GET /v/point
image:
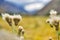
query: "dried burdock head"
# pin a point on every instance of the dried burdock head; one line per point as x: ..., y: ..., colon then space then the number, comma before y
x: 50, y: 38
x: 56, y: 24
x: 19, y: 32
x: 23, y: 32
x: 53, y: 12
x: 9, y: 20
x: 16, y: 21
x: 51, y: 25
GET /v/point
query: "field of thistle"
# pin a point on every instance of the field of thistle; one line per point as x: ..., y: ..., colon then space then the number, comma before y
x: 35, y: 27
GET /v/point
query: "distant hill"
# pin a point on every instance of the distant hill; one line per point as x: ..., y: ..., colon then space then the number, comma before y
x: 8, y: 7
x: 55, y: 4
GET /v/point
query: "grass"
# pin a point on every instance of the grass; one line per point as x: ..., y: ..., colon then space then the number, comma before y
x: 35, y: 28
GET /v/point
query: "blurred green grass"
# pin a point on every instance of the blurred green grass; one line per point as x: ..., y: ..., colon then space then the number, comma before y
x: 35, y: 28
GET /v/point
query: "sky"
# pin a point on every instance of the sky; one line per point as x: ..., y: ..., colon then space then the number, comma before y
x: 25, y: 1
x: 30, y: 5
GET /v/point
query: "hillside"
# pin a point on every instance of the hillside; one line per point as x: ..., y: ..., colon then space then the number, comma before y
x: 55, y: 4
x: 8, y: 7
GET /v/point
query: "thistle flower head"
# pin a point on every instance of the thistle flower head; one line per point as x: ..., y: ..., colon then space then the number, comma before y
x: 4, y: 15
x: 20, y: 27
x: 16, y: 18
x: 53, y: 12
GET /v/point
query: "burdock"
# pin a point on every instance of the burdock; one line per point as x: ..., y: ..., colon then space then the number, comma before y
x: 16, y: 21
x: 9, y: 21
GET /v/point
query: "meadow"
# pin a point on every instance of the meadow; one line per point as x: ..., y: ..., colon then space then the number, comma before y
x: 35, y: 27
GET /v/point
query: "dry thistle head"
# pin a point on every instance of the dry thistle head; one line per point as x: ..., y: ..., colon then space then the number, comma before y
x: 8, y: 18
x: 20, y: 31
x: 9, y: 21
x: 53, y: 12
x: 17, y: 19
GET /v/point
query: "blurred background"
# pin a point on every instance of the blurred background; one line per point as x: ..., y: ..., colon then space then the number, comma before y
x: 34, y: 14
x: 29, y: 7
